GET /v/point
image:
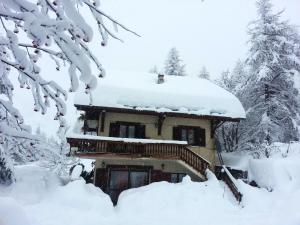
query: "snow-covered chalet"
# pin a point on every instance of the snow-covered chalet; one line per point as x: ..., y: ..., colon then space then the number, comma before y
x: 142, y: 128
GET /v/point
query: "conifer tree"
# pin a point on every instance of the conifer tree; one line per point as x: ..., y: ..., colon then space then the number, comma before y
x: 268, y: 91
x: 225, y: 80
x: 173, y: 64
x: 204, y: 73
x: 273, y: 99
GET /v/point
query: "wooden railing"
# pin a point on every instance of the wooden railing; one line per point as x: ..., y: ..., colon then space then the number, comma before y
x: 194, y: 160
x: 224, y: 173
x: 138, y: 149
x: 228, y: 179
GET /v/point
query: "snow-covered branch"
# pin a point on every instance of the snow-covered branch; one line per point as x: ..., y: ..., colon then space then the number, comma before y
x: 58, y: 30
x: 51, y: 25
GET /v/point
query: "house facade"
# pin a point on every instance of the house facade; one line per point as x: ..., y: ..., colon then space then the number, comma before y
x: 146, y: 129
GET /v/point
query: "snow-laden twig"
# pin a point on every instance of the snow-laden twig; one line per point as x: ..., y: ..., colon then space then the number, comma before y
x: 58, y: 30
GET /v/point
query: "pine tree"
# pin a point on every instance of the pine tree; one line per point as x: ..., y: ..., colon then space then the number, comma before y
x: 234, y: 80
x: 173, y: 64
x: 204, y: 73
x: 225, y: 80
x: 268, y: 92
x: 273, y: 63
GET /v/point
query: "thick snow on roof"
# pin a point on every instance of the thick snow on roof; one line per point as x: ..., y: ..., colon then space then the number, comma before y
x: 140, y: 91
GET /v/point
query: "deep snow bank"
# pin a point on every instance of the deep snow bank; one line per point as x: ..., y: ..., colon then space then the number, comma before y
x: 280, y: 171
x: 40, y: 198
x: 276, y: 173
x: 12, y: 212
x: 184, y: 203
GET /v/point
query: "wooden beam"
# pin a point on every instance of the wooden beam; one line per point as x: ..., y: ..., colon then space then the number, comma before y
x: 102, y: 126
x: 85, y: 126
x: 214, y: 125
x: 161, y: 118
x: 92, y: 115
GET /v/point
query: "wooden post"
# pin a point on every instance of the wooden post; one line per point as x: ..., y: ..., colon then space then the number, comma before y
x: 102, y: 121
x: 161, y: 118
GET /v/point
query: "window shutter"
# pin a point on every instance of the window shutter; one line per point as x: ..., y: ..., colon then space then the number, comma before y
x: 200, y: 137
x: 176, y: 133
x: 140, y: 131
x: 114, y: 130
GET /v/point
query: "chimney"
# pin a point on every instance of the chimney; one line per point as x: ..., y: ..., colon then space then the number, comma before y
x: 160, y: 78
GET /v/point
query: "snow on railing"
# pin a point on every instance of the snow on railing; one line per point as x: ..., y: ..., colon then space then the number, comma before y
x: 232, y: 184
x: 82, y: 145
x: 126, y: 140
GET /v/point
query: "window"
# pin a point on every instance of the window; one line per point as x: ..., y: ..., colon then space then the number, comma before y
x: 118, y: 180
x: 188, y: 134
x: 177, y: 177
x: 121, y: 179
x: 138, y: 178
x: 92, y: 124
x: 94, y: 133
x: 90, y: 127
x: 127, y: 130
x: 192, y: 135
x: 131, y: 131
x: 181, y: 176
x: 123, y: 131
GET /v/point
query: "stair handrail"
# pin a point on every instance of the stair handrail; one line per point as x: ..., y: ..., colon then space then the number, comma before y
x: 232, y: 185
x: 204, y: 163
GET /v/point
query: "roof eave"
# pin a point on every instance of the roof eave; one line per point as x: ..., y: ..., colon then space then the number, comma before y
x: 155, y: 113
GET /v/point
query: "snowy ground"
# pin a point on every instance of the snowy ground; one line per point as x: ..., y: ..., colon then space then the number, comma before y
x: 40, y: 198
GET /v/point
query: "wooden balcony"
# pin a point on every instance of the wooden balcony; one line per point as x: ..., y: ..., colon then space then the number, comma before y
x: 86, y: 145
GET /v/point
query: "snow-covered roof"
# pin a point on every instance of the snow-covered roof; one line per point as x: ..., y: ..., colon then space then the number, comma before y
x: 140, y: 91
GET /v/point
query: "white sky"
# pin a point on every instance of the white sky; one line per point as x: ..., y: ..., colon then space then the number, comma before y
x: 210, y: 32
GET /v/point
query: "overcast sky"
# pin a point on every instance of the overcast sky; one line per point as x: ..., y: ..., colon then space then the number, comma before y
x: 210, y: 32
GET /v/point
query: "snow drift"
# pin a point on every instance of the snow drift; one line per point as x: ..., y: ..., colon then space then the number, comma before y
x: 40, y: 198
